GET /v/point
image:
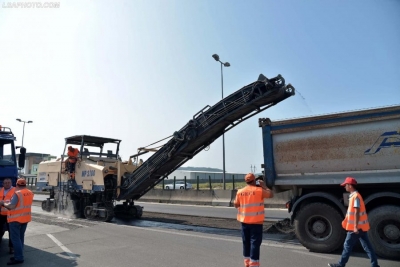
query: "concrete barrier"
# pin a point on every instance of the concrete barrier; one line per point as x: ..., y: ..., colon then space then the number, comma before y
x: 278, y: 201
x: 160, y: 196
x: 200, y: 197
x: 208, y: 197
x: 223, y: 197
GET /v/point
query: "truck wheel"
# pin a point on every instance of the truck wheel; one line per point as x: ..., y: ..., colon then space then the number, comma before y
x: 318, y: 227
x: 385, y: 231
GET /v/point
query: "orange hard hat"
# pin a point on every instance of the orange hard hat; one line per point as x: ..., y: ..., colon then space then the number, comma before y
x: 249, y: 177
x: 21, y: 181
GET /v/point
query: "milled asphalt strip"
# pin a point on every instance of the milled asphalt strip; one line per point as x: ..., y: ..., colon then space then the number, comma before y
x: 196, y: 206
x: 70, y: 254
x: 215, y: 238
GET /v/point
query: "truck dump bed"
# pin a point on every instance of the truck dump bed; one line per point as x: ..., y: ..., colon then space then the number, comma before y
x: 326, y: 149
x: 205, y: 127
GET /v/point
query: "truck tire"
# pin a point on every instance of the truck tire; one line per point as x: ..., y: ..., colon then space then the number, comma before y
x: 318, y: 227
x: 385, y: 231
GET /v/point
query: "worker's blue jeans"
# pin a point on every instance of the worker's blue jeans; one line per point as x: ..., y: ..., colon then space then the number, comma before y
x: 17, y: 234
x: 252, y: 235
x: 351, y: 240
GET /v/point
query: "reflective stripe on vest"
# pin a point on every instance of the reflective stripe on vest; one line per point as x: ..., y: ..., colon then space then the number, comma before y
x: 349, y: 222
x: 251, y: 209
x: 22, y: 211
x: 6, y: 197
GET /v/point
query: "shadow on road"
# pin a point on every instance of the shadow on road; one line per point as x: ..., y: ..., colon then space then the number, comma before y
x: 38, y: 258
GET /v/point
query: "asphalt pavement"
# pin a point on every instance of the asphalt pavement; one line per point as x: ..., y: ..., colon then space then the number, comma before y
x: 196, y: 210
x: 58, y: 241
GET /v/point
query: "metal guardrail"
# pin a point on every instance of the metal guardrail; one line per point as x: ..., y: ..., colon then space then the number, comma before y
x: 30, y: 181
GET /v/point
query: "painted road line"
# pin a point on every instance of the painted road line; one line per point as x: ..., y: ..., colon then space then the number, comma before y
x: 55, y: 240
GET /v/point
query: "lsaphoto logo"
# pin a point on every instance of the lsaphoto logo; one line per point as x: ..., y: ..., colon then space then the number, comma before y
x: 386, y: 140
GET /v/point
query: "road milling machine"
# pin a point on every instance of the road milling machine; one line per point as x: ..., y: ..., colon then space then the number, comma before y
x: 101, y: 178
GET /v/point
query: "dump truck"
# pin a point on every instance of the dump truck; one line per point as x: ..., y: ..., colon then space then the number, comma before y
x: 312, y: 156
x: 8, y: 160
x: 101, y: 179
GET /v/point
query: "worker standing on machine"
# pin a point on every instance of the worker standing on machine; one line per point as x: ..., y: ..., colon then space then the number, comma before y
x: 72, y: 159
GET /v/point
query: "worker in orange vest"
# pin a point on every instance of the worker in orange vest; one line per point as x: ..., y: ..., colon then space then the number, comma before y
x: 250, y: 204
x: 19, y: 216
x: 72, y: 159
x: 356, y: 224
x: 6, y: 192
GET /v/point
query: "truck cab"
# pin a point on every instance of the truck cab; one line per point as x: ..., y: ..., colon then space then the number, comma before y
x: 8, y: 160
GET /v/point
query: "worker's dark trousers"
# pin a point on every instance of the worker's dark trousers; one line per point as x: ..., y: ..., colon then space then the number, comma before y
x: 72, y: 167
x: 3, y: 228
x: 351, y: 240
x: 17, y: 231
x: 252, y: 235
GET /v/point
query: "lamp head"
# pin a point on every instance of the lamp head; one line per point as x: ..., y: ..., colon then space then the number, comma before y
x: 30, y: 121
x: 216, y: 57
x: 226, y: 64
x: 19, y: 120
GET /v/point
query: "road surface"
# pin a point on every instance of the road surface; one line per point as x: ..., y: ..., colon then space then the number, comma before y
x: 60, y: 242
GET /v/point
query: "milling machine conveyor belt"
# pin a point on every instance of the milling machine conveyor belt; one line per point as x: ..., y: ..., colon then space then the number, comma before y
x: 205, y: 127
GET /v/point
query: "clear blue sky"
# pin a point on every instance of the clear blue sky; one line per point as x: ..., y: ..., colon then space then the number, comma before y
x: 139, y: 70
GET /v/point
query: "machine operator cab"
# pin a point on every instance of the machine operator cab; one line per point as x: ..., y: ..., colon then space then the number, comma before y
x: 97, y: 167
x: 95, y: 163
x: 91, y: 149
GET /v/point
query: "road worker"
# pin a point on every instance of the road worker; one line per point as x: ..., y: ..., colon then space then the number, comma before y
x: 72, y: 159
x: 250, y: 204
x: 19, y: 215
x: 356, y: 224
x: 6, y: 192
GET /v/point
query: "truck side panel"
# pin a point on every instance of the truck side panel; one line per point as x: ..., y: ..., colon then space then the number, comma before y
x: 351, y: 147
x: 365, y: 141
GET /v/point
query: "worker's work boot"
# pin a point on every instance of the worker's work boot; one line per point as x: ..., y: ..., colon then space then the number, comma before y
x: 254, y: 263
x: 334, y: 265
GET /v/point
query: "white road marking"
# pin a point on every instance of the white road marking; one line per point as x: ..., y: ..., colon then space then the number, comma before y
x: 58, y: 243
x: 313, y: 254
x: 215, y: 238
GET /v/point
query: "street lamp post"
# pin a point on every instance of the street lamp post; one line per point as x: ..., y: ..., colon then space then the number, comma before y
x: 226, y: 64
x: 23, y: 129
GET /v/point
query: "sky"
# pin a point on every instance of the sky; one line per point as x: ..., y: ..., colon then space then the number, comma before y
x: 139, y: 70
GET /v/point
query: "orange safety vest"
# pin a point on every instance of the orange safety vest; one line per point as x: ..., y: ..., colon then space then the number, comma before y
x: 22, y: 211
x: 349, y: 220
x: 6, y: 198
x: 73, y: 155
x: 251, y: 209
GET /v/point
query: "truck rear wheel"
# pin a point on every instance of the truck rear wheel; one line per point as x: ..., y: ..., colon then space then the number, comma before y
x: 385, y: 231
x: 318, y: 227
